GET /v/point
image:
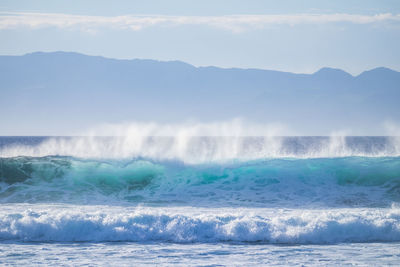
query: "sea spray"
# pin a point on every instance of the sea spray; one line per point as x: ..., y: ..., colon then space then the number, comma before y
x: 197, y: 149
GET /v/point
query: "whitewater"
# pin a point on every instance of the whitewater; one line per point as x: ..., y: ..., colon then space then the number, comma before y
x: 198, y: 196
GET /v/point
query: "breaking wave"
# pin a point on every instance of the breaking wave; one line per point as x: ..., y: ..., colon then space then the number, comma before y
x: 102, y: 223
x: 183, y: 188
x: 347, y: 181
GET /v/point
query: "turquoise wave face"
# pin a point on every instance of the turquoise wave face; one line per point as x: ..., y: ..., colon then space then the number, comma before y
x: 349, y: 181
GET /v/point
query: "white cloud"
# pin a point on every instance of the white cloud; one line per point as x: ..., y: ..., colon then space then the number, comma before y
x: 235, y: 23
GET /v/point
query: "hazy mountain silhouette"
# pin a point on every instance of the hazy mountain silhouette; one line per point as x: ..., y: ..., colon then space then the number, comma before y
x: 70, y: 90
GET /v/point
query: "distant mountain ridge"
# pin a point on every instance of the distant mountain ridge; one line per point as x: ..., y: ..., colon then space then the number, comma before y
x: 182, y: 63
x: 71, y: 90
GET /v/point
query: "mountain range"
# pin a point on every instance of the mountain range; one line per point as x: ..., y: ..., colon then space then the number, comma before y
x: 54, y: 93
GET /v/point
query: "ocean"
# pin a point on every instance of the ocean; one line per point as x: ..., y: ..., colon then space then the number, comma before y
x: 200, y: 201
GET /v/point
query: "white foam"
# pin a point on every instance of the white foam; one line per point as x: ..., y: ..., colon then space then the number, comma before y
x: 183, y: 225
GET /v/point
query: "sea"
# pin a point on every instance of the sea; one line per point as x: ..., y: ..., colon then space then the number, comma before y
x: 200, y: 201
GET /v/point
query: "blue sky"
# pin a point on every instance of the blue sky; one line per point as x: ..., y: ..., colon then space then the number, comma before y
x: 295, y: 36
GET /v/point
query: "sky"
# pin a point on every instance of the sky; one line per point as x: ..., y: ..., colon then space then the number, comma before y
x: 288, y: 35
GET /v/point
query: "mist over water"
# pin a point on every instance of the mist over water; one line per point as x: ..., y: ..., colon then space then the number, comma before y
x: 203, y: 149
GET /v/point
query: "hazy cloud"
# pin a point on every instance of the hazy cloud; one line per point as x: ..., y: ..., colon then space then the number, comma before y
x: 235, y: 23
